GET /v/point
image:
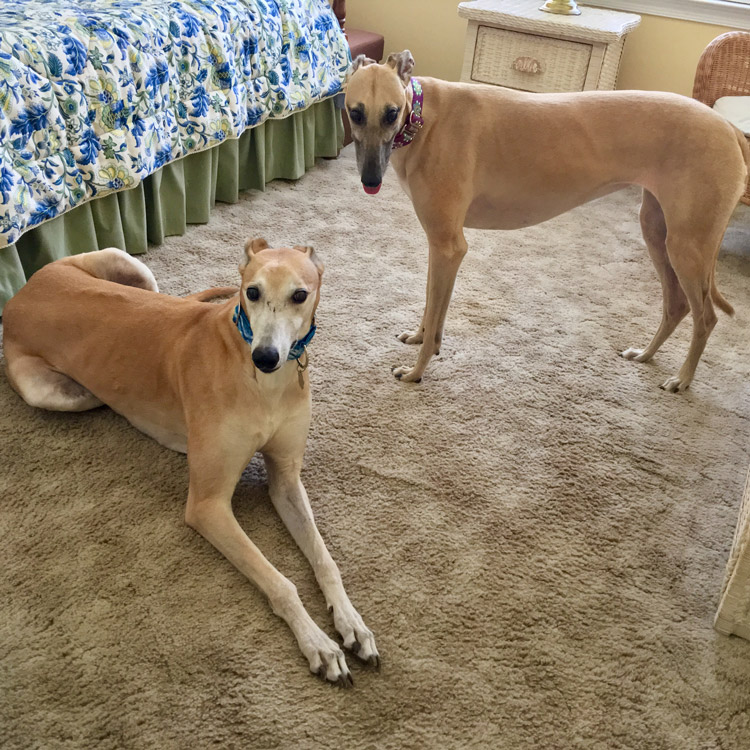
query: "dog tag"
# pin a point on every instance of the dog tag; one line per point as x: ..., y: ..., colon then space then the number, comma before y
x: 301, y: 368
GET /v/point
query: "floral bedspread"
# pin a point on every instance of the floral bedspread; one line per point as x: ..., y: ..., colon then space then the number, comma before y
x: 97, y: 94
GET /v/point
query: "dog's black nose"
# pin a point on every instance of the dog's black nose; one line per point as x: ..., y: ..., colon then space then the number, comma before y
x: 266, y: 358
x: 372, y: 176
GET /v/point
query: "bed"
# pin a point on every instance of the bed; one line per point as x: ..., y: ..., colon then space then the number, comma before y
x: 121, y: 121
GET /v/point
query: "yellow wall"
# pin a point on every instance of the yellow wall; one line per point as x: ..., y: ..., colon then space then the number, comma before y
x: 660, y: 54
x: 431, y: 29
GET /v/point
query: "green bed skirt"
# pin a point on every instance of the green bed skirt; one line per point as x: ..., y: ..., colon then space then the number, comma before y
x: 180, y: 193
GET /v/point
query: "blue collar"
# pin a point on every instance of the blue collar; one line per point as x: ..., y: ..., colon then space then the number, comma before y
x: 243, y: 326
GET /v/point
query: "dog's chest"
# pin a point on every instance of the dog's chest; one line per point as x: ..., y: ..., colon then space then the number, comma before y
x: 163, y: 428
x: 175, y: 440
x: 404, y: 185
x: 398, y: 168
x: 272, y: 409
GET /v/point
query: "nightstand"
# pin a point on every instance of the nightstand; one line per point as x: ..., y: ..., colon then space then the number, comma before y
x: 512, y: 43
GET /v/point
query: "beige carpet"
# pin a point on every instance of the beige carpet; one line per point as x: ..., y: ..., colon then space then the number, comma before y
x: 536, y: 533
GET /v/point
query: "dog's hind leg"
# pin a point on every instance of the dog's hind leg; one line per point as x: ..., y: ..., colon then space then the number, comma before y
x: 41, y: 386
x: 690, y: 260
x: 447, y: 250
x: 674, y: 304
x: 693, y: 240
x: 291, y: 502
x: 417, y: 337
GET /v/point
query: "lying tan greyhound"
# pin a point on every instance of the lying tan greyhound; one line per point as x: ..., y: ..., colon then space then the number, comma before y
x: 180, y: 371
x: 492, y: 158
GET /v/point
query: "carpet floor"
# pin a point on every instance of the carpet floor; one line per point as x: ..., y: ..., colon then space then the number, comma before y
x: 536, y: 533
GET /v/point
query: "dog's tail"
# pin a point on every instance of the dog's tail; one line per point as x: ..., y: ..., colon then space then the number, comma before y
x: 742, y: 140
x: 113, y: 264
x: 215, y: 291
x: 717, y: 299
x: 716, y: 295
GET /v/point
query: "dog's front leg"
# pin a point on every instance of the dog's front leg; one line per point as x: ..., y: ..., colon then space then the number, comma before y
x: 446, y: 254
x: 214, y: 474
x: 290, y: 500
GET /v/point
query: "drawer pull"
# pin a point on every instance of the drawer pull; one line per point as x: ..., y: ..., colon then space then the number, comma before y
x: 527, y: 65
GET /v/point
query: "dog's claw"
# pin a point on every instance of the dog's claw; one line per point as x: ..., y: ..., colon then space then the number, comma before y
x: 345, y: 681
x: 408, y: 337
x: 636, y: 355
x: 404, y: 374
x: 674, y: 385
x: 357, y: 637
x: 342, y: 679
x: 365, y: 650
x: 326, y: 659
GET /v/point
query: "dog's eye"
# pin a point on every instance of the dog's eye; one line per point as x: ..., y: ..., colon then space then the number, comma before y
x: 356, y: 116
x: 299, y: 296
x: 390, y: 116
x: 253, y: 293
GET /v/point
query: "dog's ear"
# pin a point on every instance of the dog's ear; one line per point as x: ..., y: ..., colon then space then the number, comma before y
x: 252, y: 246
x: 312, y: 255
x: 255, y: 246
x: 403, y: 64
x: 360, y: 61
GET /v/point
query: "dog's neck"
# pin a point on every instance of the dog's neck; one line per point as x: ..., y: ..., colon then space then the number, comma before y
x: 414, y: 121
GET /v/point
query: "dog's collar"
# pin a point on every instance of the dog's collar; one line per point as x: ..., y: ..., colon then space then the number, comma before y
x: 240, y: 319
x: 414, y: 121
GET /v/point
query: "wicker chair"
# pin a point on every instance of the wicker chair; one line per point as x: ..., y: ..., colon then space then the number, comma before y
x: 724, y: 70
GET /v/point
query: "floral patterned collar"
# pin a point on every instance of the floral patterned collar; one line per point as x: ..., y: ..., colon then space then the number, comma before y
x: 414, y: 121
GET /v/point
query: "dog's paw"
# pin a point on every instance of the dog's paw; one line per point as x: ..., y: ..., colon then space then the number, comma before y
x: 358, y: 638
x: 406, y: 374
x: 675, y: 384
x: 637, y: 355
x: 411, y: 337
x: 327, y: 660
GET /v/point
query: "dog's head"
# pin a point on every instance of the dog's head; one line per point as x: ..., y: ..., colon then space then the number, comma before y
x: 377, y: 103
x: 279, y: 294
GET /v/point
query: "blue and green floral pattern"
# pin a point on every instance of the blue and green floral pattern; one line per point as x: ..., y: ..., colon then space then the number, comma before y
x: 95, y: 95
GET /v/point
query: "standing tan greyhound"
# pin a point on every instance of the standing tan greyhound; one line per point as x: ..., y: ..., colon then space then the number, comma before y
x: 486, y: 157
x: 218, y: 382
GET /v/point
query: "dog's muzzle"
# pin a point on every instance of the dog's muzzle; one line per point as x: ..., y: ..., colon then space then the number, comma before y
x: 372, y: 162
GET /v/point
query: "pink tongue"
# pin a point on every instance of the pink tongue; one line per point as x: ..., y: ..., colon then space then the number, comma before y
x: 372, y: 190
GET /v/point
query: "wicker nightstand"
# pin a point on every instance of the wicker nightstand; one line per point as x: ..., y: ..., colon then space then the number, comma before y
x: 512, y: 43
